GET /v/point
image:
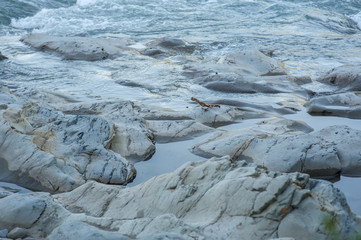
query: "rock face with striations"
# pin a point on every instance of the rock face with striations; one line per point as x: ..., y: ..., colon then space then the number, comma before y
x: 212, y: 199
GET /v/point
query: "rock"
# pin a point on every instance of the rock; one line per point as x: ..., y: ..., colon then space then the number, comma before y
x: 244, y: 72
x: 132, y: 139
x: 2, y: 57
x: 232, y: 142
x: 325, y: 153
x: 167, y: 46
x: 173, y: 130
x: 80, y: 230
x: 20, y: 210
x: 78, y: 48
x: 3, y: 233
x: 213, y: 116
x: 43, y: 149
x: 254, y: 62
x: 212, y: 199
x: 339, y: 104
x: 18, y: 233
x: 344, y: 78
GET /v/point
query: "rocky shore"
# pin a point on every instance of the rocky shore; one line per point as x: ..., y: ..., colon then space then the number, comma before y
x: 256, y: 182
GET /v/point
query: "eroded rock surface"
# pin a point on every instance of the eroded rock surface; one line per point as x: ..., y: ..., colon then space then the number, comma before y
x: 43, y: 149
x: 212, y: 199
x: 288, y: 146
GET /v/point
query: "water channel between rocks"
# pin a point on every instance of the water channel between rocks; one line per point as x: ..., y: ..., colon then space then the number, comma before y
x: 170, y: 156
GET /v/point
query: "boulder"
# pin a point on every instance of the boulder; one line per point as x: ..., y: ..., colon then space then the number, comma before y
x: 344, y: 78
x: 249, y: 71
x: 78, y: 48
x: 167, y: 47
x: 43, y: 149
x: 211, y: 199
x: 326, y: 153
x: 340, y: 104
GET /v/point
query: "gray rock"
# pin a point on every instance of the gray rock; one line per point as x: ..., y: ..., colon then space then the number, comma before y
x: 132, y: 139
x: 212, y: 199
x: 20, y: 210
x: 3, y: 233
x: 345, y: 78
x: 2, y: 57
x: 18, y: 233
x: 82, y: 231
x: 43, y: 149
x: 340, y: 104
x: 173, y: 130
x: 244, y: 72
x: 325, y: 153
x: 167, y: 46
x: 78, y: 48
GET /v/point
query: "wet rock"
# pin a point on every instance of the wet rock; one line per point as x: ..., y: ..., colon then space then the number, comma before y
x: 212, y: 199
x: 2, y: 57
x: 132, y: 139
x: 340, y: 104
x: 325, y: 153
x: 344, y: 78
x: 166, y: 47
x: 244, y: 72
x: 78, y: 48
x: 43, y: 149
x: 173, y: 130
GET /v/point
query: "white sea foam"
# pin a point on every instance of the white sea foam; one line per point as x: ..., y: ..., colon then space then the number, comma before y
x: 86, y: 3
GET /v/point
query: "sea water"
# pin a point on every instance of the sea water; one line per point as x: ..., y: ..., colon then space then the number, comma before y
x: 310, y: 37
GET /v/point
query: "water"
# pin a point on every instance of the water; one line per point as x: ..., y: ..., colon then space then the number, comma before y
x: 310, y: 37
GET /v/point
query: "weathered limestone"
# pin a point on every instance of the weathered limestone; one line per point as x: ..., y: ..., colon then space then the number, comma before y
x: 212, y: 199
x: 325, y: 153
x: 339, y: 104
x: 78, y: 48
x: 43, y: 149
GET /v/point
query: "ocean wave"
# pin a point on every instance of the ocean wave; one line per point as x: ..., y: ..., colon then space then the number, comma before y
x: 17, y: 9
